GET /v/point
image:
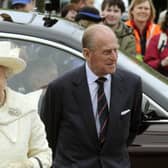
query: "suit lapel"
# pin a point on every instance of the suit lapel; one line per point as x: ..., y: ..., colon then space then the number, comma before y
x: 117, y: 92
x: 82, y: 96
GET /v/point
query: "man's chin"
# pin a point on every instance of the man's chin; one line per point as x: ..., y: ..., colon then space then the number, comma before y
x: 110, y: 24
x: 112, y: 71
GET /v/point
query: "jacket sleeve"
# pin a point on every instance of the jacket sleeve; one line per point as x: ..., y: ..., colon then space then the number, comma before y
x: 50, y: 114
x: 130, y: 47
x: 127, y: 45
x: 39, y: 152
x: 152, y: 57
x: 136, y: 113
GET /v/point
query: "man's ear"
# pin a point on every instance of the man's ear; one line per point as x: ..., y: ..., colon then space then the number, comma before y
x: 86, y: 53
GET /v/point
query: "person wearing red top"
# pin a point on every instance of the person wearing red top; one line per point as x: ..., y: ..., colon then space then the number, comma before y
x: 141, y: 16
x: 155, y: 56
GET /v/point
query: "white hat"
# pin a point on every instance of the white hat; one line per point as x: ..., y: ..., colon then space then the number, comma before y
x: 9, y: 57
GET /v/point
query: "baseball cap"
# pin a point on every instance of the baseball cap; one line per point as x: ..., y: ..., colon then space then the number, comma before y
x: 88, y: 13
x: 24, y: 2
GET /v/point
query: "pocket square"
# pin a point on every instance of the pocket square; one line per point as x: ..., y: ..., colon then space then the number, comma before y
x: 125, y: 112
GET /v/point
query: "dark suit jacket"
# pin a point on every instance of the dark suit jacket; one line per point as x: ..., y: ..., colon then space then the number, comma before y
x: 71, y: 131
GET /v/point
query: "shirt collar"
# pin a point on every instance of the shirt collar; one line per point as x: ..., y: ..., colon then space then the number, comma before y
x: 91, y: 77
x: 148, y: 24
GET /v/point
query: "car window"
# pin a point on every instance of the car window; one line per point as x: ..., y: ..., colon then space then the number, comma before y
x: 44, y: 64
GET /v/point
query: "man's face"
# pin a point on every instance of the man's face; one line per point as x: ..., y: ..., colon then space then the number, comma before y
x: 103, y: 58
x: 112, y: 15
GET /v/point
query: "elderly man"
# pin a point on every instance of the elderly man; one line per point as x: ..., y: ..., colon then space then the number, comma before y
x: 92, y: 113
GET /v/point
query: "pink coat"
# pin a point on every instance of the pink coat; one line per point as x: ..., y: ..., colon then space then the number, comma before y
x: 153, y: 57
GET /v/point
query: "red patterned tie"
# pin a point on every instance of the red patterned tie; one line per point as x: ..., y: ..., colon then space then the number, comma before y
x: 103, y: 112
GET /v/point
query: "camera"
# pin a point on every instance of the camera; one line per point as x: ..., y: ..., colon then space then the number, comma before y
x: 52, y: 7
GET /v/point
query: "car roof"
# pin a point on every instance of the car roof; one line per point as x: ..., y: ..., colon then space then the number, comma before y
x: 20, y: 16
x: 58, y: 33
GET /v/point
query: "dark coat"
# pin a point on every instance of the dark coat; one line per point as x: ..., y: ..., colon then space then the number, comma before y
x: 70, y: 124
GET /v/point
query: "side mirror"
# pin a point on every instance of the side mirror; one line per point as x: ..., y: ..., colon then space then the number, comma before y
x: 152, y: 113
x: 152, y: 110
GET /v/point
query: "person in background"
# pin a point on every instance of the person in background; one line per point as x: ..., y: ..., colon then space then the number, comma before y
x: 82, y: 3
x: 88, y: 16
x: 79, y: 3
x: 112, y: 11
x: 93, y: 112
x: 69, y: 12
x: 23, y: 5
x: 141, y: 16
x: 23, y: 138
x: 3, y: 3
x: 157, y: 52
x: 89, y: 2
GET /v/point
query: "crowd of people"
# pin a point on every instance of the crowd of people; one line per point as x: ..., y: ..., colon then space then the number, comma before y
x: 135, y: 34
x: 90, y: 115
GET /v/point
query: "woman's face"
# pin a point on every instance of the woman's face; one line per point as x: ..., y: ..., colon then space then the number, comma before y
x: 2, y: 78
x: 71, y: 15
x: 141, y: 12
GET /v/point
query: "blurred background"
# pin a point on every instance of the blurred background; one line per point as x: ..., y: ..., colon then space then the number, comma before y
x: 58, y: 5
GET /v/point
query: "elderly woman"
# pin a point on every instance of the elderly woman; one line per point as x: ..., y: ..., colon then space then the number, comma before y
x: 157, y: 52
x: 141, y: 15
x: 22, y: 134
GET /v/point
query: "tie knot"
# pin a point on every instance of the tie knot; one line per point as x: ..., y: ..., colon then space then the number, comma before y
x: 100, y: 80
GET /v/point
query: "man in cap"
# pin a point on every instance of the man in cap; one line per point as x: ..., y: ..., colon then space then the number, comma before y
x: 88, y: 16
x: 23, y: 5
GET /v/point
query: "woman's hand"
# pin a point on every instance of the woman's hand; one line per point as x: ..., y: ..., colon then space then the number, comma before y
x: 164, y: 62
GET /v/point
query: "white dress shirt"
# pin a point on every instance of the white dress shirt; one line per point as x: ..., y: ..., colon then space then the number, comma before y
x: 93, y: 89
